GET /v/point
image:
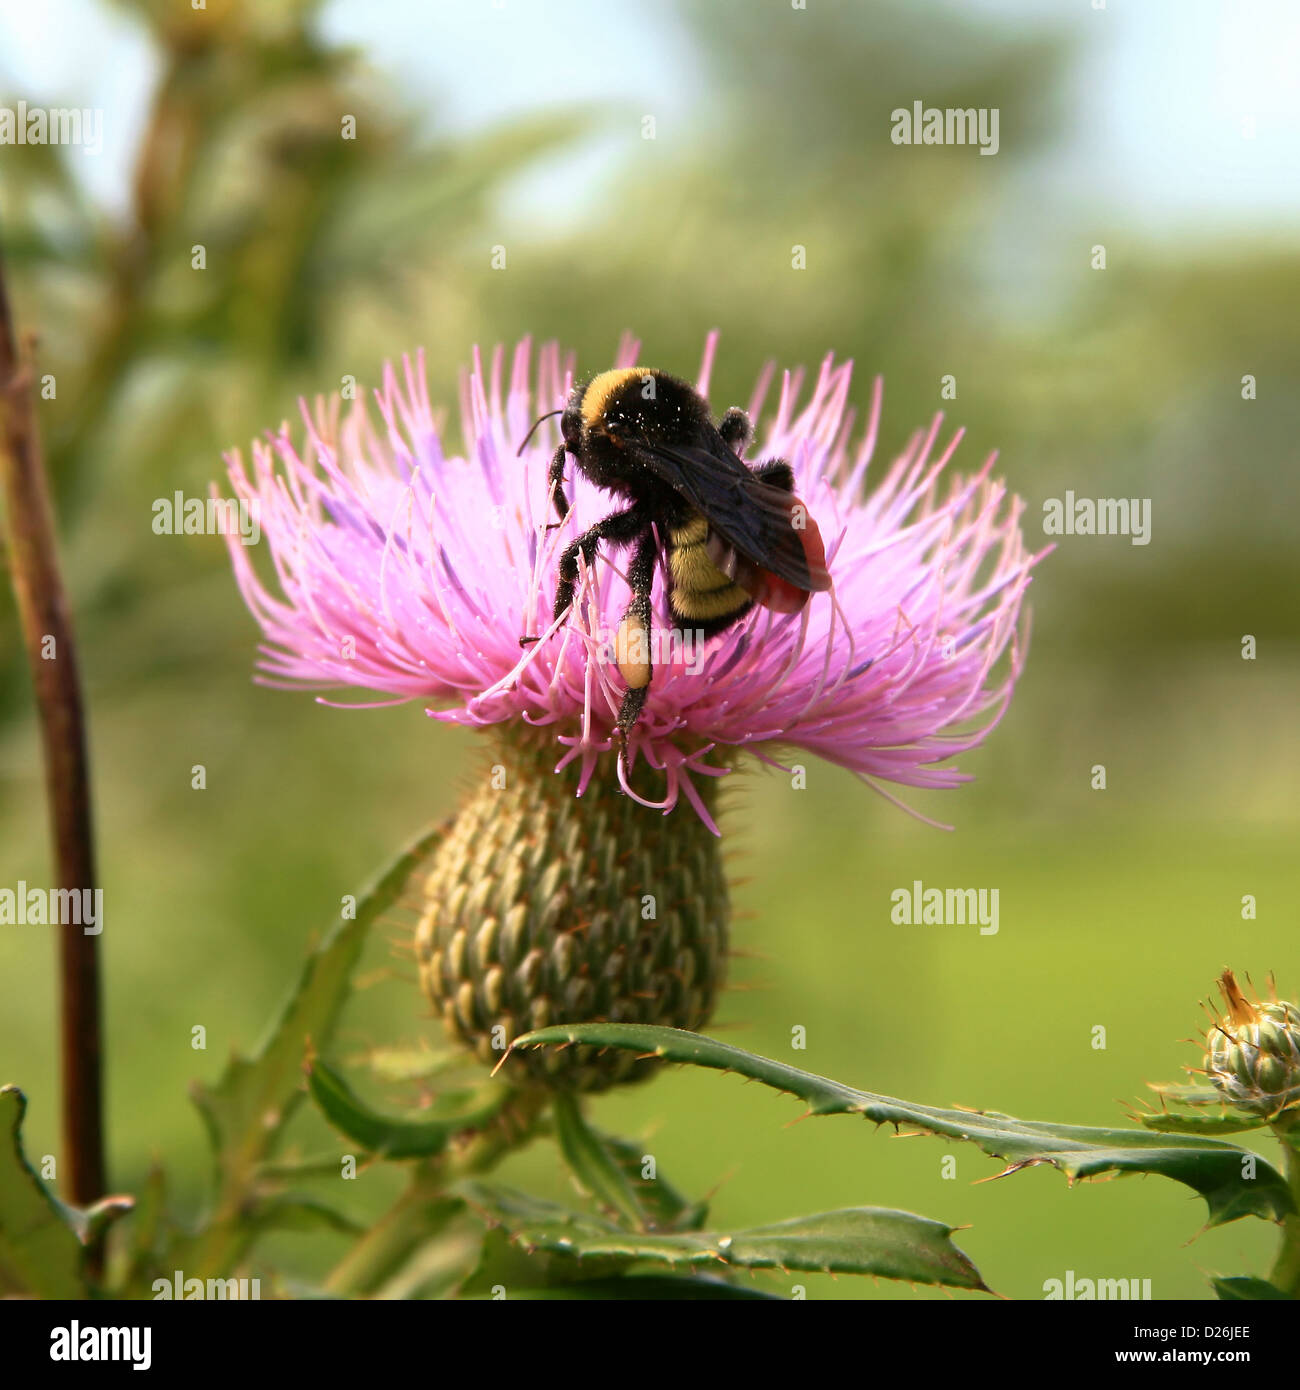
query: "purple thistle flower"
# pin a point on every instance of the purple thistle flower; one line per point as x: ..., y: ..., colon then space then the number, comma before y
x: 411, y: 572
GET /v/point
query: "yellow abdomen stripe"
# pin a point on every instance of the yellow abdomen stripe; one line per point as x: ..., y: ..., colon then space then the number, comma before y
x: 700, y: 589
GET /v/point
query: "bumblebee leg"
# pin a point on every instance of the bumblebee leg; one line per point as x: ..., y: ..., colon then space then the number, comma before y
x: 555, y: 477
x: 635, y: 627
x: 776, y: 473
x: 628, y: 713
x: 735, y: 429
x: 619, y: 528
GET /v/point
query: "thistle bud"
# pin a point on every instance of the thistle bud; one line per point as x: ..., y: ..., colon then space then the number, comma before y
x: 1253, y: 1057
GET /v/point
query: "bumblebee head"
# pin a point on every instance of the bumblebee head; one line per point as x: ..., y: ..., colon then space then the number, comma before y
x: 610, y: 392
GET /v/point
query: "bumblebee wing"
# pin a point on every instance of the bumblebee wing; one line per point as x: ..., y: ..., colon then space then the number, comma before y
x: 765, y: 525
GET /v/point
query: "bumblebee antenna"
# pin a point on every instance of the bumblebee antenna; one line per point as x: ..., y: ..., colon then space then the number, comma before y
x: 533, y: 430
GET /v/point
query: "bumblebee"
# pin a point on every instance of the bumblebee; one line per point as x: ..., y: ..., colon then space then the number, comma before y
x: 731, y: 536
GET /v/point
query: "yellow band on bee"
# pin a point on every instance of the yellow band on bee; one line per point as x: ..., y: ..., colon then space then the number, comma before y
x: 602, y: 387
x: 695, y: 532
x: 715, y: 603
x: 700, y: 589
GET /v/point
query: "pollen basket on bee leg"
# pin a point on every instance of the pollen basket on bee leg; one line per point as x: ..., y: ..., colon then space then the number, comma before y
x: 632, y: 652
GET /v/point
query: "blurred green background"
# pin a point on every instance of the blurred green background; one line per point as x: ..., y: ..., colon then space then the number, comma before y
x: 482, y: 125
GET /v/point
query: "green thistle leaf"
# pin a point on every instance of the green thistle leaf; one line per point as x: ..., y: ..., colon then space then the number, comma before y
x: 1229, y: 1122
x: 857, y: 1240
x: 599, y: 1173
x: 247, y: 1109
x: 1216, y: 1171
x: 390, y: 1137
x: 1244, y: 1288
x: 611, y: 1171
x: 666, y: 1208
x: 40, y: 1253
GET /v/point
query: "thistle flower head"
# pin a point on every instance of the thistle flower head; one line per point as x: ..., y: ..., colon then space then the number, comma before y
x: 411, y: 571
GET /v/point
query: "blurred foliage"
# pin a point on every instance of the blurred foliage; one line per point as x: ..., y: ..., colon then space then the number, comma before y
x: 159, y: 364
x: 324, y: 256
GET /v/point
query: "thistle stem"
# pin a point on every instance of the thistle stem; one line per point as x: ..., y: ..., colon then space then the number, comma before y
x: 45, y: 620
x: 416, y: 1215
x: 423, y: 1210
x: 1285, y: 1274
